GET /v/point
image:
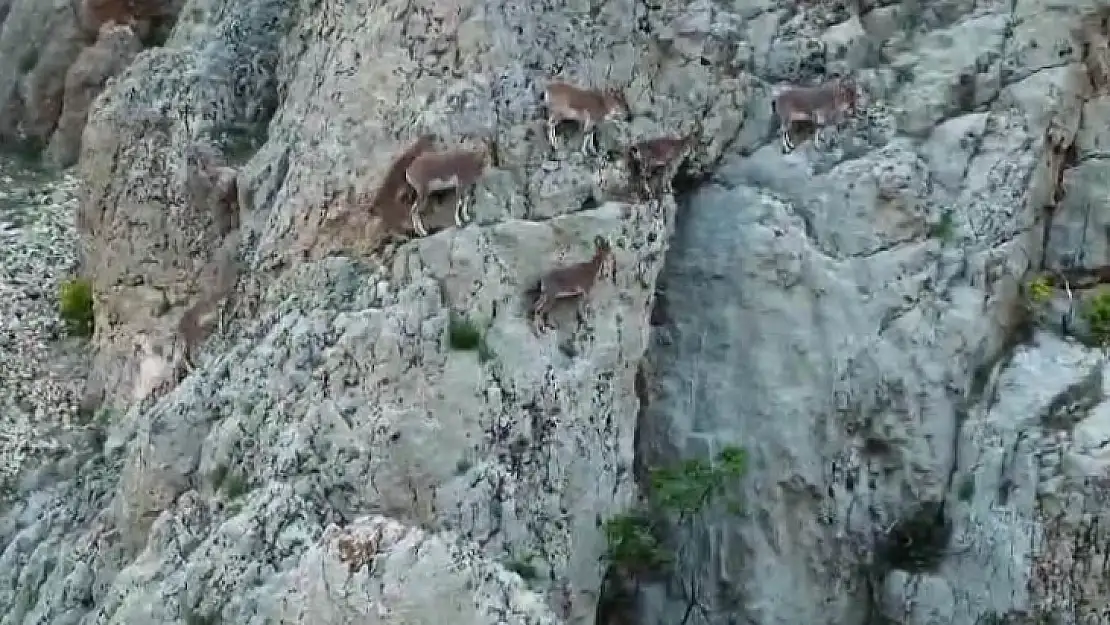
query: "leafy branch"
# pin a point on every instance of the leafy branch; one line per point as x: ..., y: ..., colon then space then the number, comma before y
x: 637, y: 540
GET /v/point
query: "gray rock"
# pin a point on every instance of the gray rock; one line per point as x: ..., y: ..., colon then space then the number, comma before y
x: 856, y: 316
x: 114, y: 50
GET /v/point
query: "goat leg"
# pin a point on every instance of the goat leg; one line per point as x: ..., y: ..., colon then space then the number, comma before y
x: 787, y: 143
x: 468, y: 206
x: 552, y: 128
x: 414, y: 215
x: 538, y: 323
x: 589, y: 130
x: 460, y: 209
x: 539, y: 311
x: 645, y: 179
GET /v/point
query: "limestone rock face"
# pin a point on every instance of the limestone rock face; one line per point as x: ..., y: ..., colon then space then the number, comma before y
x: 115, y: 48
x: 369, y: 430
x: 54, y: 59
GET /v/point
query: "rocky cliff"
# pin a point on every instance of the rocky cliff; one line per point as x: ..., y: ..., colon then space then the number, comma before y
x: 294, y: 417
x: 56, y: 57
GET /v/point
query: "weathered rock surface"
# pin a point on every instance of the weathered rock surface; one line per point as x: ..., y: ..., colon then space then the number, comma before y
x: 115, y: 48
x: 39, y: 384
x: 861, y: 302
x: 854, y: 317
x: 54, y: 60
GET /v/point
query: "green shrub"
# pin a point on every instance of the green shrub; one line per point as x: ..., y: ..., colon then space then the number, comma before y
x: 29, y: 61
x: 27, y: 152
x: 235, y: 485
x: 685, y: 489
x: 917, y: 542
x: 1039, y: 289
x: 634, y: 544
x: 75, y: 306
x: 240, y: 142
x: 1096, y: 312
x: 636, y: 540
x: 465, y: 335
x: 945, y: 227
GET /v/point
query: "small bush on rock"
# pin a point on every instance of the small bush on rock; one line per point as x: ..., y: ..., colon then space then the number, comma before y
x: 637, y: 540
x: 464, y: 334
x: 75, y: 306
x: 27, y: 152
x: 1096, y: 312
x: 686, y: 489
x: 945, y: 227
x: 1039, y: 290
x: 634, y: 544
x: 239, y: 143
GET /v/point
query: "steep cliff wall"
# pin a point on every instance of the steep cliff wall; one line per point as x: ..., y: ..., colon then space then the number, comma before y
x: 373, y: 432
x: 923, y: 446
x: 56, y: 57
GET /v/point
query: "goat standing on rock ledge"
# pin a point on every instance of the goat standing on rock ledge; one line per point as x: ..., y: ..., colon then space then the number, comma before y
x: 820, y: 105
x: 431, y: 172
x: 574, y: 281
x: 390, y: 201
x: 652, y: 157
x: 565, y: 102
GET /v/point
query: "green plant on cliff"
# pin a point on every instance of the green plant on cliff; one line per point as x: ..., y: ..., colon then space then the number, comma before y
x: 945, y: 227
x: 635, y: 543
x: 687, y: 488
x: 27, y: 152
x: 464, y: 334
x: 75, y: 306
x: 636, y: 540
x: 1039, y: 289
x: 1096, y: 312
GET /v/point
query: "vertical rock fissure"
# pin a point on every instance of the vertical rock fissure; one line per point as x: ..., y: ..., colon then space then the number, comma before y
x: 623, y: 600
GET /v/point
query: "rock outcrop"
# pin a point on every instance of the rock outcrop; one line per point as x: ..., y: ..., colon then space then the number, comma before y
x: 55, y: 57
x: 40, y: 374
x: 373, y: 431
x: 115, y: 48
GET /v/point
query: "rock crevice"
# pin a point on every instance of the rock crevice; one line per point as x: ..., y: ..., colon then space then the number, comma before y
x: 304, y: 422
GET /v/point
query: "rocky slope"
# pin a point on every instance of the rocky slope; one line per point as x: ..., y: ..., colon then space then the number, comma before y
x: 40, y: 372
x: 925, y: 432
x: 56, y: 57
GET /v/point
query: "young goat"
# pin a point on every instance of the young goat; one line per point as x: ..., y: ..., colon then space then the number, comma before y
x: 389, y: 200
x: 431, y: 172
x: 653, y: 156
x: 574, y: 281
x: 820, y: 105
x: 565, y: 102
